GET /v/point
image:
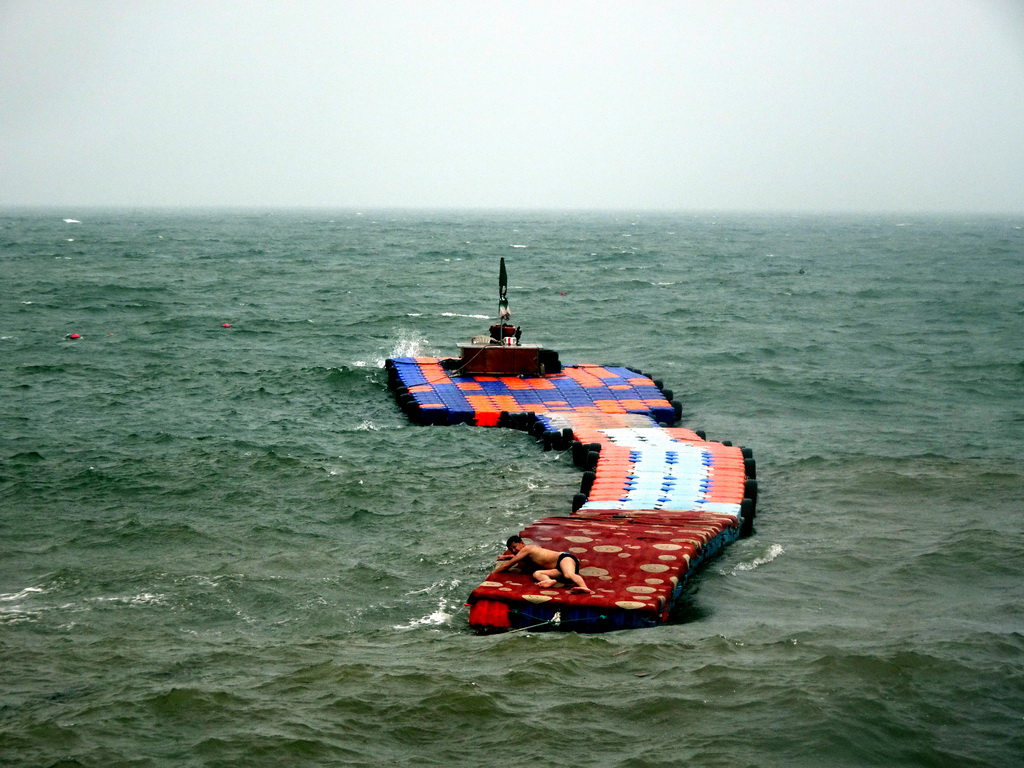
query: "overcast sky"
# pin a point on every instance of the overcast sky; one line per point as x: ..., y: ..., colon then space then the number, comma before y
x: 780, y: 105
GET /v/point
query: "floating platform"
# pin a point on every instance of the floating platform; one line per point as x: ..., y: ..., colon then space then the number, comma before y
x: 436, y: 391
x: 637, y: 568
x: 655, y: 503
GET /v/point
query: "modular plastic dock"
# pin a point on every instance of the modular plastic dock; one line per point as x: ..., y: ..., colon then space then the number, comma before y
x: 655, y: 502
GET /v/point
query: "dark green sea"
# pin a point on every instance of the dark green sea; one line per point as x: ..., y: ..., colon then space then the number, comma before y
x: 222, y: 544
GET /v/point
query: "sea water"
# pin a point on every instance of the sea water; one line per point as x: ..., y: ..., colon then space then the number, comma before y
x: 222, y: 543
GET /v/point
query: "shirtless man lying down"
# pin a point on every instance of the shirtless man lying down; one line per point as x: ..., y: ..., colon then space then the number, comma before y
x: 550, y: 566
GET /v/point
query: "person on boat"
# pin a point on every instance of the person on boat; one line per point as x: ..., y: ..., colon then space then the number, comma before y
x: 549, y: 566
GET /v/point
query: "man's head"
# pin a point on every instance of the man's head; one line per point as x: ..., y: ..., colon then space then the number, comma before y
x: 514, y: 544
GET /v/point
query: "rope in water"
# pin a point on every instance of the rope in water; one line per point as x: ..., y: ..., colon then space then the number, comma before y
x: 556, y: 620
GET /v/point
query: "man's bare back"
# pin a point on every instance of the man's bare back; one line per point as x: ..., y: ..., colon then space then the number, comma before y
x: 550, y: 566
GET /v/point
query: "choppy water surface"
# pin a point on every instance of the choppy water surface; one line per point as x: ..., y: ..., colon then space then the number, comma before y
x: 222, y: 544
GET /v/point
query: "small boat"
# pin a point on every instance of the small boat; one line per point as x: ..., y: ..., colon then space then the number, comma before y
x: 656, y: 500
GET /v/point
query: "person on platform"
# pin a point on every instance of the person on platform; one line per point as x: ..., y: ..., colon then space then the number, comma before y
x: 549, y: 567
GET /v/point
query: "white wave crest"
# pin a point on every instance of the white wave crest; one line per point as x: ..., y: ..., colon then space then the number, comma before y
x: 437, y: 617
x: 773, y: 552
x: 21, y: 595
x: 408, y: 346
x: 143, y: 598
